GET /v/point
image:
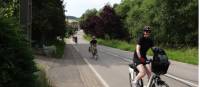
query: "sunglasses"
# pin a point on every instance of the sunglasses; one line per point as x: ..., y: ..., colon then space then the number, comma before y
x: 148, y: 31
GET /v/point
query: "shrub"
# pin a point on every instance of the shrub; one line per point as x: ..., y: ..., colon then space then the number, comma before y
x: 16, y: 60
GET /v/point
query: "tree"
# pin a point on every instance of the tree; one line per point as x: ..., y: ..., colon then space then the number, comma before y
x: 48, y: 21
x: 112, y: 23
x: 174, y: 23
x: 103, y: 24
x: 16, y: 60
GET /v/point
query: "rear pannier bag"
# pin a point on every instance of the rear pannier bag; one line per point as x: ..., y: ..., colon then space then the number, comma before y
x: 160, y: 63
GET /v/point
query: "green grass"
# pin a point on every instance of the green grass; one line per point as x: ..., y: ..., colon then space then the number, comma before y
x: 114, y: 43
x: 186, y: 55
x: 60, y: 46
x: 42, y: 80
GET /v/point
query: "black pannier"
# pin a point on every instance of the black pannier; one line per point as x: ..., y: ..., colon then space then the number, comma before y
x: 160, y: 63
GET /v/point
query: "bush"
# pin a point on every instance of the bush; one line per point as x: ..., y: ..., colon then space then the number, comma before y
x: 16, y: 59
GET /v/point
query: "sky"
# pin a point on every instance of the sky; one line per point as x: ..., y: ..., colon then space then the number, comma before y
x: 78, y: 7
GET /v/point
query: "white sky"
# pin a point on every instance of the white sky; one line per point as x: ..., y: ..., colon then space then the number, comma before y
x: 78, y: 7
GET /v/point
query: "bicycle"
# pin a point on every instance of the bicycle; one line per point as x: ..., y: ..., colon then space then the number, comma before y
x: 93, y: 50
x: 132, y: 69
x: 160, y: 65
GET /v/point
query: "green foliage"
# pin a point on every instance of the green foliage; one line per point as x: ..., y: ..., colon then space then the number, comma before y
x: 123, y: 45
x: 174, y: 22
x: 48, y: 21
x: 88, y: 13
x: 105, y: 24
x: 60, y: 46
x: 9, y: 8
x: 42, y: 80
x: 70, y: 31
x: 16, y: 59
x: 187, y: 55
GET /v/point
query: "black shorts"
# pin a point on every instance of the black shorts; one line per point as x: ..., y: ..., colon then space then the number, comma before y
x: 136, y: 61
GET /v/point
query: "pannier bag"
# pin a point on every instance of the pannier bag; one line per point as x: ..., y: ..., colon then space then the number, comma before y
x: 160, y: 63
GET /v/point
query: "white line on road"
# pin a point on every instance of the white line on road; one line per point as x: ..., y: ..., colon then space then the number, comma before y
x: 182, y: 80
x: 96, y: 73
x: 168, y: 75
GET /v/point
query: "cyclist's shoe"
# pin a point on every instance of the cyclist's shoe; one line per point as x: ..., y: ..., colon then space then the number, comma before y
x: 134, y: 84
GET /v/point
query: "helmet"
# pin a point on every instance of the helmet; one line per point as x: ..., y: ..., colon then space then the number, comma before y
x: 147, y: 29
x: 93, y: 37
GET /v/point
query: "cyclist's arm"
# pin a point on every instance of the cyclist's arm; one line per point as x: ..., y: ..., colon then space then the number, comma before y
x: 138, y: 50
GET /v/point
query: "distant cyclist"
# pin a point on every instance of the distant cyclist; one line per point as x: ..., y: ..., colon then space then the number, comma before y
x: 93, y: 42
x: 144, y: 42
x: 93, y: 47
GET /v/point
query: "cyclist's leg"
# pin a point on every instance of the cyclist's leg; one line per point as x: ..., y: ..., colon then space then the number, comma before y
x: 141, y: 73
x: 148, y: 70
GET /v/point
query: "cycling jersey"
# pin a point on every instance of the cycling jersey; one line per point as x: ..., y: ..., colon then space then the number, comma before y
x: 93, y: 42
x: 145, y: 43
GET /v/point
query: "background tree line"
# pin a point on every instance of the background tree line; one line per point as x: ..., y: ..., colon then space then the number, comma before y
x: 103, y: 24
x: 174, y: 23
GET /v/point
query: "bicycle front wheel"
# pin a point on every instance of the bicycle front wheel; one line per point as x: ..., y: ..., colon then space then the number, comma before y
x: 159, y: 85
x: 130, y: 80
x: 140, y: 83
x: 165, y: 85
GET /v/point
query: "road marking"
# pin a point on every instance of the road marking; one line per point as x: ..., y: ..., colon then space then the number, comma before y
x: 95, y: 72
x: 182, y: 80
x: 168, y: 75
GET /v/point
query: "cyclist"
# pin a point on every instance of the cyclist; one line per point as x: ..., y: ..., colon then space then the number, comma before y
x: 93, y: 43
x: 144, y: 42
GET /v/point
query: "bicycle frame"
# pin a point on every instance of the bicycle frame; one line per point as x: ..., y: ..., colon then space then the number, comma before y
x: 154, y: 80
x: 94, y: 51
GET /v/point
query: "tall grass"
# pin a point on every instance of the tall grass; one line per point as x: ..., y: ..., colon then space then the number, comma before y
x: 186, y: 55
x: 60, y: 46
x: 42, y: 80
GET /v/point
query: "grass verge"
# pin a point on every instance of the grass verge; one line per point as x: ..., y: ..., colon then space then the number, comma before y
x: 186, y: 55
x: 60, y: 46
x: 42, y: 80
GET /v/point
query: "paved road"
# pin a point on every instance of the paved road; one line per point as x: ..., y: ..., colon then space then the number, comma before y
x: 112, y: 67
x: 69, y: 71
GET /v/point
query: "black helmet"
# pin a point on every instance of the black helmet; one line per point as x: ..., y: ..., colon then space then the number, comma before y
x: 147, y: 29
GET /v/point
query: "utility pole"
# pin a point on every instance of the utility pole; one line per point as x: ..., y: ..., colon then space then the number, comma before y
x: 26, y: 18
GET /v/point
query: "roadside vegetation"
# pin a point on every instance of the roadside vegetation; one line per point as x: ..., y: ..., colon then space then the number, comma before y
x: 49, y: 26
x: 17, y: 68
x: 16, y: 58
x: 60, y: 46
x: 42, y: 79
